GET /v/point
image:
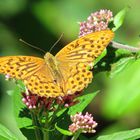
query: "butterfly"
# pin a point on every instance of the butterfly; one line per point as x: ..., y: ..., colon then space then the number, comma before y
x: 62, y: 74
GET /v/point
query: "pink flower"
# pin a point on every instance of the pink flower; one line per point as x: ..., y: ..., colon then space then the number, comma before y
x: 33, y: 101
x: 96, y: 22
x: 83, y: 122
x: 7, y: 77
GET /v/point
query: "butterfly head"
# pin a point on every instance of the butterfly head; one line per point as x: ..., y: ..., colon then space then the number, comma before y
x: 48, y: 56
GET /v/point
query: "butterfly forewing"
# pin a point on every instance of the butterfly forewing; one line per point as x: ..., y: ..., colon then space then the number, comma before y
x: 87, y: 48
x: 76, y: 56
x: 20, y: 67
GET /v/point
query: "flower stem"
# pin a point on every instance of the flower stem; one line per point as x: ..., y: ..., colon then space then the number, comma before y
x: 36, y: 124
x: 48, y: 123
x: 46, y: 132
x: 126, y: 47
x: 53, y: 117
x: 76, y: 135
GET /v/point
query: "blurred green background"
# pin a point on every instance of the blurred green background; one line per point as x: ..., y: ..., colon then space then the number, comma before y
x: 41, y: 22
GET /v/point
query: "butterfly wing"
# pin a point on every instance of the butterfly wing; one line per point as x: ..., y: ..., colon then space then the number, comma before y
x: 20, y: 67
x: 73, y: 61
x: 33, y: 72
x: 43, y: 83
x: 76, y: 56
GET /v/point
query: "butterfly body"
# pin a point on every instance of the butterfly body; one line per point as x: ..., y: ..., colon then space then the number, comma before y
x: 62, y: 74
x: 53, y: 66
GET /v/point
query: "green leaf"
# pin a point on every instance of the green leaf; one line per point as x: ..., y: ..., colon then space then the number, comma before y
x: 119, y: 53
x: 5, y: 134
x: 22, y: 121
x: 83, y: 102
x: 119, y: 18
x: 123, y: 93
x: 117, y: 67
x: 59, y: 113
x: 124, y: 135
x: 63, y: 131
x: 100, y: 57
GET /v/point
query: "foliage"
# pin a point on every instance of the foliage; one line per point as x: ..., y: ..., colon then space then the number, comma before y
x: 124, y: 135
x: 117, y: 95
x: 6, y: 134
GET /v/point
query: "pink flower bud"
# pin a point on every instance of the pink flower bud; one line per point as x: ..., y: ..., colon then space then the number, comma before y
x: 84, y: 122
x: 96, y: 22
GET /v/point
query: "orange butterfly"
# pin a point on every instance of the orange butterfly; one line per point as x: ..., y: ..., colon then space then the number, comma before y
x: 62, y: 74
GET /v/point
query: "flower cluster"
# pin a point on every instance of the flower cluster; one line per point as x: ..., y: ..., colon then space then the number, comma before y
x: 33, y: 101
x: 96, y: 22
x: 83, y: 122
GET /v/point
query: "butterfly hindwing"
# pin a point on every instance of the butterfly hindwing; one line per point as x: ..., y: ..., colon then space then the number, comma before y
x: 79, y: 78
x: 42, y: 83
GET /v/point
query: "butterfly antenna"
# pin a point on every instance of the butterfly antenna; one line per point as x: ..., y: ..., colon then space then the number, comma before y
x: 56, y: 42
x: 37, y: 48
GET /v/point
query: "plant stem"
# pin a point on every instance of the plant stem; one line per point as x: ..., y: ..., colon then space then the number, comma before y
x: 36, y: 124
x: 126, y: 47
x: 76, y: 135
x: 46, y: 133
x: 54, y: 114
x: 48, y: 123
x: 64, y: 137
